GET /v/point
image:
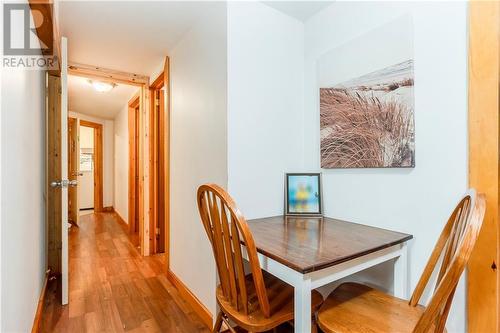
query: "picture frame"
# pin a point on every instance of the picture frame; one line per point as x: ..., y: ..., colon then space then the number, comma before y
x: 303, y: 194
x: 361, y: 108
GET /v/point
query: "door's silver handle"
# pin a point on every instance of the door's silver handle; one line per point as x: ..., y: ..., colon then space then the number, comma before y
x: 64, y: 183
x: 56, y: 183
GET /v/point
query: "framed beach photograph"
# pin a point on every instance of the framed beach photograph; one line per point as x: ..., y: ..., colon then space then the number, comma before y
x: 367, y: 111
x: 303, y: 194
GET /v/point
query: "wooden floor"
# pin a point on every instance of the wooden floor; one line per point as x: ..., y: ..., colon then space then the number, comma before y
x: 113, y: 289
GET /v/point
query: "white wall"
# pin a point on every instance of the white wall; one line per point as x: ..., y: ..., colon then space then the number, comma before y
x: 121, y: 163
x: 419, y: 200
x: 86, y: 180
x: 23, y: 206
x: 198, y: 145
x: 265, y: 105
x: 108, y: 154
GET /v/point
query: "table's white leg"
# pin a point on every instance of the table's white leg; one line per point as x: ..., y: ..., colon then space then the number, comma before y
x: 401, y: 274
x: 302, y: 306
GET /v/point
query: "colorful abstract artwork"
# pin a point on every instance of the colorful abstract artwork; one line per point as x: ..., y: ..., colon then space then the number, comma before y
x: 303, y: 194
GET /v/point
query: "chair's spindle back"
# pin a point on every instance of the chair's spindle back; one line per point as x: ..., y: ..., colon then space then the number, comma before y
x: 454, y: 246
x: 226, y: 228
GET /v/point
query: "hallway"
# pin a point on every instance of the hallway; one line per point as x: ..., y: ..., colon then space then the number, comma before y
x: 113, y: 289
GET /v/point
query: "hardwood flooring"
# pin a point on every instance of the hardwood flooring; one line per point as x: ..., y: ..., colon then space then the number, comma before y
x: 112, y: 288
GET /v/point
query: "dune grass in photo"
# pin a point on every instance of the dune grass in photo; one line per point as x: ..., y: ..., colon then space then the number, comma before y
x: 367, y: 125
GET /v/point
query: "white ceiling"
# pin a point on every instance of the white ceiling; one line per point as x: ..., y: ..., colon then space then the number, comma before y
x: 301, y: 10
x: 83, y: 98
x: 132, y: 36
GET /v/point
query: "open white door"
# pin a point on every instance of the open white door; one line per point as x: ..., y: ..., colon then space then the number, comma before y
x: 64, y: 168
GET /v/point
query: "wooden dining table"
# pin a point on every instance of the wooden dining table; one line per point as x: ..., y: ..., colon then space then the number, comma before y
x: 310, y: 252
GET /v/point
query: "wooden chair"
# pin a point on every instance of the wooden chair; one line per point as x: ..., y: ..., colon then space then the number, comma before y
x: 354, y: 307
x: 258, y: 301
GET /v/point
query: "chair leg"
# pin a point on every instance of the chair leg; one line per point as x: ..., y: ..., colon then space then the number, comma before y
x: 218, y: 323
x: 314, y: 325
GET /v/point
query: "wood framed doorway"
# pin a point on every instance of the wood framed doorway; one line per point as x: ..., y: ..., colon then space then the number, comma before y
x: 98, y: 166
x: 160, y: 162
x: 483, y: 281
x: 109, y: 75
x: 135, y: 189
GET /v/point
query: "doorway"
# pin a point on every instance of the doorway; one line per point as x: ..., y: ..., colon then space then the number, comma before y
x: 90, y: 173
x: 86, y: 171
x: 96, y: 158
x: 160, y: 161
x: 149, y: 182
x: 85, y: 156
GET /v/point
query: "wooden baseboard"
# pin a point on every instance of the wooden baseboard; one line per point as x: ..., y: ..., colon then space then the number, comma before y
x: 122, y: 222
x: 191, y: 299
x: 108, y: 209
x: 39, y: 308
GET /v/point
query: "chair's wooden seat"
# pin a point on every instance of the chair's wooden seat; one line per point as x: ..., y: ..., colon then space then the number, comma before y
x: 280, y: 300
x: 354, y: 307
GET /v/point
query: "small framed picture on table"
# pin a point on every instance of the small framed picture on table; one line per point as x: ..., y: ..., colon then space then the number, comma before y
x: 303, y: 194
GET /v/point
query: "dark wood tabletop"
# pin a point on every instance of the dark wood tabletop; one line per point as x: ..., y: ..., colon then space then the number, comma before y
x: 308, y: 244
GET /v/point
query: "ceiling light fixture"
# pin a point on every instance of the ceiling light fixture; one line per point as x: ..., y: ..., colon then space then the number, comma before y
x: 102, y: 86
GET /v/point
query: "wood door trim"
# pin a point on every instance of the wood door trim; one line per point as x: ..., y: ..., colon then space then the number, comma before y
x: 132, y: 172
x: 483, y: 278
x: 160, y: 173
x: 153, y: 167
x: 107, y: 75
x: 166, y: 175
x: 157, y: 167
x: 159, y: 82
x: 155, y: 88
x: 134, y: 101
x: 154, y: 202
x: 46, y: 8
x: 140, y: 100
x: 98, y: 163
